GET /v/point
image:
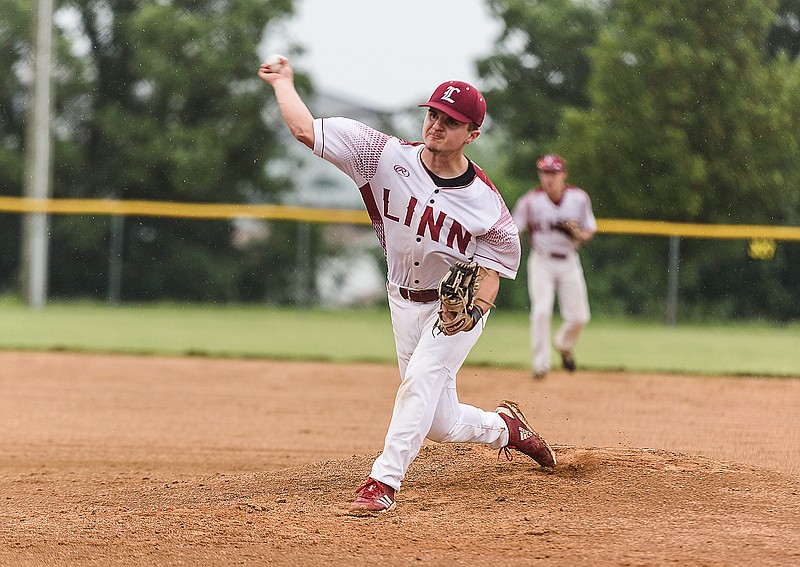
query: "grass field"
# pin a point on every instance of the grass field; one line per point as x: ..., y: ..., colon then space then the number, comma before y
x: 365, y: 335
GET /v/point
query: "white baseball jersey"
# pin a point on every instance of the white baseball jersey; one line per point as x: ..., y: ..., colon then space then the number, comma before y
x: 537, y: 214
x: 554, y: 267
x: 423, y: 228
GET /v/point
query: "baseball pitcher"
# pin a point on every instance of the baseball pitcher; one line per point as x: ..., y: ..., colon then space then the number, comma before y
x: 448, y: 238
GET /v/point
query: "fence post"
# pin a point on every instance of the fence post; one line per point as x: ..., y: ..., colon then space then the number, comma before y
x: 35, y: 237
x: 115, y: 241
x: 672, y: 280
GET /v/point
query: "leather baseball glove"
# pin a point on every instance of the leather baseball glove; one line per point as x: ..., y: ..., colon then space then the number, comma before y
x: 457, y: 309
x: 572, y: 229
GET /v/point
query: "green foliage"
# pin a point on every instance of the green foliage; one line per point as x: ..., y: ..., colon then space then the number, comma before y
x: 672, y: 111
x: 177, y: 101
x: 697, y: 141
x: 15, y: 26
x: 784, y: 35
x: 719, y: 281
x: 164, y: 104
x: 627, y: 275
x: 686, y: 114
x: 541, y: 67
x: 684, y: 117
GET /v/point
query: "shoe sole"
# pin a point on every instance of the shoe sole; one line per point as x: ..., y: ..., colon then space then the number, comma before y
x: 362, y: 512
x: 521, y: 416
x: 568, y: 362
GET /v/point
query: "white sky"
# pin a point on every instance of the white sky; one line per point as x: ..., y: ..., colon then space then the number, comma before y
x: 387, y: 54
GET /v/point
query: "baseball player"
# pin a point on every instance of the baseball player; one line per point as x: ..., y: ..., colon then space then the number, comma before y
x: 559, y: 220
x: 430, y: 207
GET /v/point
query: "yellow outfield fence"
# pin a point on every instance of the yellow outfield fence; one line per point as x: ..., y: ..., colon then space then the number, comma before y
x: 177, y: 210
x: 314, y: 215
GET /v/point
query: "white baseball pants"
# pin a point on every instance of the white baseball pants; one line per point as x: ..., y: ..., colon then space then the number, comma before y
x: 548, y: 276
x: 427, y: 404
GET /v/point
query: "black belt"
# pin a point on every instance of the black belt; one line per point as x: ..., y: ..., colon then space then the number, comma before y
x: 419, y: 295
x: 558, y: 255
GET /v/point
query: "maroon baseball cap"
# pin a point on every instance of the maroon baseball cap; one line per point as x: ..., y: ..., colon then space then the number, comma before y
x: 551, y: 162
x: 459, y: 100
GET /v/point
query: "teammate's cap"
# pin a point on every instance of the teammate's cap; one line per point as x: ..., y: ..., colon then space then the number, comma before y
x: 459, y: 100
x: 551, y: 162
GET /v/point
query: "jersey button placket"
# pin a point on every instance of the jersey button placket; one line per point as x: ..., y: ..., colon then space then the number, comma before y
x: 418, y: 251
x: 415, y: 253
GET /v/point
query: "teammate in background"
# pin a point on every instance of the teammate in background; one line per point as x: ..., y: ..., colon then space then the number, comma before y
x: 430, y: 207
x: 554, y: 266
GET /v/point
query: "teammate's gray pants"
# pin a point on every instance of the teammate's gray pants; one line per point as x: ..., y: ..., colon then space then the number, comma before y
x: 547, y: 277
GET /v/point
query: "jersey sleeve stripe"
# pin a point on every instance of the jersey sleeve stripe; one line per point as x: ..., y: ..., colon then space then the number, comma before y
x: 374, y: 213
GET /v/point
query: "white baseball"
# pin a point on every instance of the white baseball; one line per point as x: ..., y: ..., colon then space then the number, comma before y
x: 273, y: 63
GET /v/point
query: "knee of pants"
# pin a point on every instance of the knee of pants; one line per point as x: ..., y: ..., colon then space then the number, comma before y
x: 541, y: 313
x: 441, y: 425
x: 580, y: 321
x: 573, y: 326
x: 438, y: 434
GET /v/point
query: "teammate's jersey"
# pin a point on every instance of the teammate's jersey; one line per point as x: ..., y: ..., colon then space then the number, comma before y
x: 423, y: 228
x: 537, y: 214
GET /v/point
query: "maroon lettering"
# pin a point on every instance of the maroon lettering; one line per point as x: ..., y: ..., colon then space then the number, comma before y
x: 427, y: 220
x: 430, y: 222
x: 458, y: 232
x: 386, y: 192
x: 412, y: 204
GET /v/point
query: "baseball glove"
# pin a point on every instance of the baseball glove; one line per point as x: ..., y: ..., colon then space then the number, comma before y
x: 572, y: 229
x: 457, y: 309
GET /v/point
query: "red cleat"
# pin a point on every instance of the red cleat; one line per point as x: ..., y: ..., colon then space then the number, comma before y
x: 374, y: 497
x: 523, y: 438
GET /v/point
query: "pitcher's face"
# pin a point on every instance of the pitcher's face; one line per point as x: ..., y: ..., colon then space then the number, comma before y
x: 443, y: 134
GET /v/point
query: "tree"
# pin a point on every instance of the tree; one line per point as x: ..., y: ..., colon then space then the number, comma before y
x: 15, y: 29
x: 541, y: 67
x: 16, y: 86
x: 685, y: 115
x: 784, y: 35
x: 169, y: 108
x: 691, y: 121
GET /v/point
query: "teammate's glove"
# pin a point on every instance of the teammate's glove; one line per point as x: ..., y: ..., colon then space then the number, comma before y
x: 572, y: 229
x: 457, y: 309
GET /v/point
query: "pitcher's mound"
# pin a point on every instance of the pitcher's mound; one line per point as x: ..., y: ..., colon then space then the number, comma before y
x: 600, y: 506
x: 460, y: 505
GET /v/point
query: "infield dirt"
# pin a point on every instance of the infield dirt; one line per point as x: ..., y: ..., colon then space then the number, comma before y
x: 123, y: 460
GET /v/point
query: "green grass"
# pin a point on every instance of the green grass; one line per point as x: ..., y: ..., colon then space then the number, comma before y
x: 365, y: 335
